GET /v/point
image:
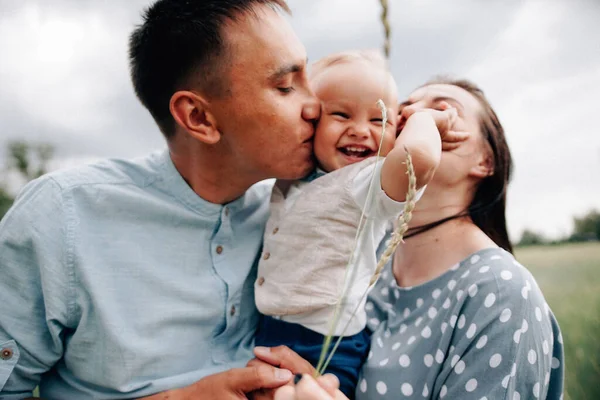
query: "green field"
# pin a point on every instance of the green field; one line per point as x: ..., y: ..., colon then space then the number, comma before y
x: 569, y: 276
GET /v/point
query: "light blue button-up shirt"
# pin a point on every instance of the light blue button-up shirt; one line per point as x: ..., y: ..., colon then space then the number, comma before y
x: 118, y: 281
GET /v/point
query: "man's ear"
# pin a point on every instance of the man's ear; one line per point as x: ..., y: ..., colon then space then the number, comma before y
x: 191, y: 112
x: 485, y: 164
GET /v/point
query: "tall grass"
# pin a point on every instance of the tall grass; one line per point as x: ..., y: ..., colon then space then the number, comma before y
x: 569, y: 276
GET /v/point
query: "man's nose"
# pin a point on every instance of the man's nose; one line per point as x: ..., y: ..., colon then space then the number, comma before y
x: 312, y: 109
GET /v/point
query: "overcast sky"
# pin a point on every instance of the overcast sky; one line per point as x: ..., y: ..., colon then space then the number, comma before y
x: 64, y: 80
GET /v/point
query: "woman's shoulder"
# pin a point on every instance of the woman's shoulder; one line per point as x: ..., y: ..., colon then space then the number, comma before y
x: 498, y: 271
x: 498, y: 288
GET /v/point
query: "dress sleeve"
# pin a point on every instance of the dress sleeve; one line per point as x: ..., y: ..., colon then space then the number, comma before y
x: 506, y: 343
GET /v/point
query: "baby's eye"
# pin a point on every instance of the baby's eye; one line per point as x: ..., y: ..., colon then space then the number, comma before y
x: 377, y: 121
x: 340, y: 114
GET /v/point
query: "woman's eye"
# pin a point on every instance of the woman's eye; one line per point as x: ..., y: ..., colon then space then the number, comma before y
x: 285, y: 89
x: 340, y: 114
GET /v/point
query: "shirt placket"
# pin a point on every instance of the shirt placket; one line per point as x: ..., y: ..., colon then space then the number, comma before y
x: 224, y: 257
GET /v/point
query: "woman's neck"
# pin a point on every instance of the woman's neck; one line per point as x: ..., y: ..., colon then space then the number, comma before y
x: 428, y: 255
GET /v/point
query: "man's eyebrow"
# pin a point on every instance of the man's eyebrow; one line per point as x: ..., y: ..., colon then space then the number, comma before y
x: 286, y: 69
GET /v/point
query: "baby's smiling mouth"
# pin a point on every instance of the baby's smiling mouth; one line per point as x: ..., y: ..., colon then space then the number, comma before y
x: 357, y: 151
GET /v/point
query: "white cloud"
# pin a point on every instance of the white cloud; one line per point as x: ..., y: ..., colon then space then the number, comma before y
x: 530, y: 40
x: 334, y: 20
x: 547, y: 112
x: 55, y: 66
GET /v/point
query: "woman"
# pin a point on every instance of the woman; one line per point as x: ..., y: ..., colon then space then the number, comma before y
x: 454, y: 315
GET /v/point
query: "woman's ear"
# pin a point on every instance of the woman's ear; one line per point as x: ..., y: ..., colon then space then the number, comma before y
x: 191, y: 112
x: 485, y: 164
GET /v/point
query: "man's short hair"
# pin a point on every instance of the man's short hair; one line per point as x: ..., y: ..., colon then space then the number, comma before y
x: 179, y: 40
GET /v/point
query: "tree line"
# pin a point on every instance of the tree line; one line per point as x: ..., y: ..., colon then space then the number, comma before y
x: 25, y: 161
x: 585, y: 229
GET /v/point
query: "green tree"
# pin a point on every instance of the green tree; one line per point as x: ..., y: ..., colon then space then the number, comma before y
x: 586, y: 227
x: 531, y: 238
x: 6, y: 201
x: 29, y: 160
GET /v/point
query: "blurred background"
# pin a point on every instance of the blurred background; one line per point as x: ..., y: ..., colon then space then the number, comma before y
x: 66, y: 99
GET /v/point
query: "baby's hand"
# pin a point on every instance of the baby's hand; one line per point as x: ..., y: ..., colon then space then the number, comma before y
x: 445, y: 119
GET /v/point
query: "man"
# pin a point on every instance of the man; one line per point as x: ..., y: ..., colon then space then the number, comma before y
x: 126, y: 279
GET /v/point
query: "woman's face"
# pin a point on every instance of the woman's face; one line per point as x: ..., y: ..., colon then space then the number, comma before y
x: 471, y: 160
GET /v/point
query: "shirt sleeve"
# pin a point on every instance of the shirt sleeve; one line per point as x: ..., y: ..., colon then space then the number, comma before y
x: 380, y: 205
x: 33, y: 288
x: 506, y: 344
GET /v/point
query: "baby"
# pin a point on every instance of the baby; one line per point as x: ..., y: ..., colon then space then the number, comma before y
x: 311, y: 231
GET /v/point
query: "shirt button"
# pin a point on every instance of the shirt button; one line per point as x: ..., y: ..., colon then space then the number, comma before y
x: 226, y: 212
x: 275, y: 230
x: 6, y: 354
x: 261, y: 281
x: 232, y: 311
x: 219, y: 249
x: 266, y: 256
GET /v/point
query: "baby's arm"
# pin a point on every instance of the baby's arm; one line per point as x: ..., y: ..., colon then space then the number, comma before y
x: 421, y: 138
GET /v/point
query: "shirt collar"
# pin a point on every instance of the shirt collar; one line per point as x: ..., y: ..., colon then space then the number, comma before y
x: 174, y: 184
x: 317, y: 173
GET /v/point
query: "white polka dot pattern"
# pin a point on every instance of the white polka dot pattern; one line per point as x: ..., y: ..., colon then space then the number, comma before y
x: 490, y: 327
x: 460, y: 367
x: 495, y: 360
x: 381, y: 388
x: 405, y: 361
x: 471, y: 385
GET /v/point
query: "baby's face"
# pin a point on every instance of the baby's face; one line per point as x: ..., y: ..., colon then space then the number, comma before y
x: 350, y: 127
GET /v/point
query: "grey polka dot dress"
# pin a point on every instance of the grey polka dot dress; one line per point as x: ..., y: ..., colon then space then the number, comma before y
x: 482, y: 330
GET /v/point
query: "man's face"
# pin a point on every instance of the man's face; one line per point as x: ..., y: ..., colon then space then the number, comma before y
x: 267, y: 116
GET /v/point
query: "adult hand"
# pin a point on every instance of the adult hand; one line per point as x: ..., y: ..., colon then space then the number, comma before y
x: 281, y: 357
x: 230, y: 385
x: 323, y: 388
x: 284, y: 357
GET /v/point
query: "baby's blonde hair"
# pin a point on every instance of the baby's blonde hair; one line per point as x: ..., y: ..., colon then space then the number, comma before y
x: 373, y: 57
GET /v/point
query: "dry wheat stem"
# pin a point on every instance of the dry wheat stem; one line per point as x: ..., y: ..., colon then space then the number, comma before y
x: 350, y: 267
x: 403, y: 220
x: 402, y: 225
x: 391, y: 245
x: 386, y: 27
